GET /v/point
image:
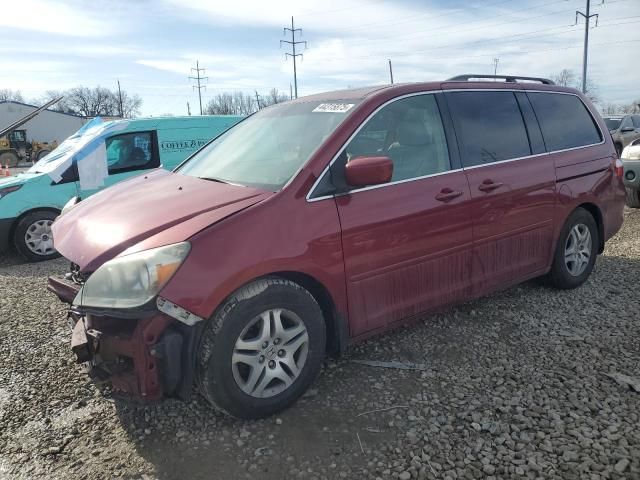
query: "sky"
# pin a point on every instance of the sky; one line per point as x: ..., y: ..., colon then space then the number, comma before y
x: 151, y: 45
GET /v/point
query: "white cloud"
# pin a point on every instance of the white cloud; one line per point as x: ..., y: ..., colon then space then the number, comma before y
x: 52, y: 16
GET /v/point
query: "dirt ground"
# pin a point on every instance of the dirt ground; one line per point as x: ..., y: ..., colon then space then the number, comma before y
x: 521, y: 384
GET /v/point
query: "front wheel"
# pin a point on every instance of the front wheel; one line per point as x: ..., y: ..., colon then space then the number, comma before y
x: 262, y: 349
x: 576, y: 251
x: 33, y: 238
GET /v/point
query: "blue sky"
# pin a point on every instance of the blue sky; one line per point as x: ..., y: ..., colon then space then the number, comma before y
x: 150, y: 45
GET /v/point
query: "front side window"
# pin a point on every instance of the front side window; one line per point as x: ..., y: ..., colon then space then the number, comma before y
x: 564, y: 120
x: 489, y: 126
x: 268, y: 148
x: 408, y: 131
x: 636, y: 121
x: 130, y: 151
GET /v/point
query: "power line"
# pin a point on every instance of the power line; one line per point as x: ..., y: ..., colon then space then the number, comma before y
x: 293, y: 55
x: 199, y: 78
x: 585, y: 53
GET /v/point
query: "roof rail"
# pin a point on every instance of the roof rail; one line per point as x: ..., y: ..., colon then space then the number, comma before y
x: 506, y: 78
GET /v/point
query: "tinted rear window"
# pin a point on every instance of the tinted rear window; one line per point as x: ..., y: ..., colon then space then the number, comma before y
x: 564, y: 120
x: 489, y: 126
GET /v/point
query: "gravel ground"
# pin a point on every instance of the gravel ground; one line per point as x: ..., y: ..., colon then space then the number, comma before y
x: 514, y: 385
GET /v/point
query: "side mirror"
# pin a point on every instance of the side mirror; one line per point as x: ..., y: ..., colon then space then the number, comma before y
x: 365, y: 171
x: 627, y: 129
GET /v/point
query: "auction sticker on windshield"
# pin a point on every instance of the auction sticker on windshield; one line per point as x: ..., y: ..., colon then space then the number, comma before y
x: 334, y: 107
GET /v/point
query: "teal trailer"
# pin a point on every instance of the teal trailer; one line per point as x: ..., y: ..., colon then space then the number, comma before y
x: 99, y: 155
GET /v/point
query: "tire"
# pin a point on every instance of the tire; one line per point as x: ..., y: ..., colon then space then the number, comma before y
x: 227, y: 382
x: 567, y: 274
x: 42, y: 153
x: 9, y: 158
x: 37, y: 227
x: 633, y: 198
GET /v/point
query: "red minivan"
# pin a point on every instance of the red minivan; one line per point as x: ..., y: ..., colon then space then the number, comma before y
x: 325, y: 220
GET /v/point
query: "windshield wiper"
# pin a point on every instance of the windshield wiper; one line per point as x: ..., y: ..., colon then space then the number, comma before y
x: 213, y: 179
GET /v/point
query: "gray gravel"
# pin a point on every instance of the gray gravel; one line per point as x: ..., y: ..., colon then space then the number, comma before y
x: 515, y: 385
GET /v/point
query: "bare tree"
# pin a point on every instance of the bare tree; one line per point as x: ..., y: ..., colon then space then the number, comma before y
x: 131, y: 105
x: 566, y: 78
x: 276, y: 97
x: 6, y: 94
x: 98, y: 101
x: 62, y: 106
x: 239, y: 103
x: 236, y: 103
x: 621, y: 108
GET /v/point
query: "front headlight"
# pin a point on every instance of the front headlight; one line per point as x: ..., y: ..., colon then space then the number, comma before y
x: 73, y: 201
x: 132, y: 280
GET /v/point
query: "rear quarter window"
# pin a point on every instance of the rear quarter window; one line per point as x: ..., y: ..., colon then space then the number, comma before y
x: 564, y: 120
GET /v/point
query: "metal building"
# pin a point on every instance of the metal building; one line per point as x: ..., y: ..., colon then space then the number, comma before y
x: 46, y: 127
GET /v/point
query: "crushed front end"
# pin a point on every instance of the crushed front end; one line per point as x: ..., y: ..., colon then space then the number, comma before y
x: 144, y: 353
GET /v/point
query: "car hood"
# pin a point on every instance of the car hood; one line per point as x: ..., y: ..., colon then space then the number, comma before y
x: 155, y: 209
x: 17, y: 179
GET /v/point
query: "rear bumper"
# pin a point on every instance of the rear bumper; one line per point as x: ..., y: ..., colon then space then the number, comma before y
x: 631, y: 174
x: 143, y: 358
x: 5, y: 230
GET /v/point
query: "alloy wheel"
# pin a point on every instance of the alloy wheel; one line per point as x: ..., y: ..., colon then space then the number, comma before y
x: 577, y: 251
x: 270, y: 353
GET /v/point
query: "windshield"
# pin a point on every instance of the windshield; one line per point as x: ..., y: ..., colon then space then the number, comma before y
x: 612, y: 123
x: 268, y: 148
x: 95, y: 130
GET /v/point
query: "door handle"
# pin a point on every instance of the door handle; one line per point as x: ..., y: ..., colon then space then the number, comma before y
x: 489, y: 186
x: 447, y: 194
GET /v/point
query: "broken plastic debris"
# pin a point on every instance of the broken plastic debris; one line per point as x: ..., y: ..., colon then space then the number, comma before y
x: 625, y: 380
x: 397, y: 365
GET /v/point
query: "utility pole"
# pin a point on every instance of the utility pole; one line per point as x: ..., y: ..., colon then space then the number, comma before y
x: 188, y: 109
x: 495, y: 66
x: 257, y: 99
x: 390, y: 72
x: 199, y: 78
x: 587, y: 17
x: 293, y: 55
x: 120, y: 100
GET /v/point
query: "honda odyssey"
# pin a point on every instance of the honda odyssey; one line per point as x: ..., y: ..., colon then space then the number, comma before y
x: 328, y: 219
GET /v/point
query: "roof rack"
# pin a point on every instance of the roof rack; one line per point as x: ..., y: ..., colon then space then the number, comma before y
x: 506, y: 78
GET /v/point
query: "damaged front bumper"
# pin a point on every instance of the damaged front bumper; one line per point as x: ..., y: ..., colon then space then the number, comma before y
x: 145, y: 354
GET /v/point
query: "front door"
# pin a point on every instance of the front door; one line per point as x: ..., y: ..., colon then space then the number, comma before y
x: 407, y: 244
x: 512, y: 185
x: 128, y: 154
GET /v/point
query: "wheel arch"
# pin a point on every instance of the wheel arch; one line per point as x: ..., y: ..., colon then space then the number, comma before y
x: 335, y: 322
x: 596, y: 213
x: 17, y: 220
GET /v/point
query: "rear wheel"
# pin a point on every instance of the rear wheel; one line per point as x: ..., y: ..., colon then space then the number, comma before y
x: 576, y: 251
x: 33, y: 238
x: 633, y: 198
x: 8, y: 159
x: 262, y: 349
